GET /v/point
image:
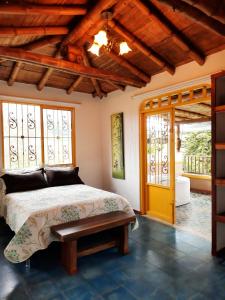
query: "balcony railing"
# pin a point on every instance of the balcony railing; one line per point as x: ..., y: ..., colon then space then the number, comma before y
x: 197, y: 164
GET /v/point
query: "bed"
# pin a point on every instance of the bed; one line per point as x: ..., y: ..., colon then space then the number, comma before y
x: 31, y: 214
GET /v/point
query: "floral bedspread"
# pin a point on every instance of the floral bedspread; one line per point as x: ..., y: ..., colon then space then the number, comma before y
x: 31, y: 214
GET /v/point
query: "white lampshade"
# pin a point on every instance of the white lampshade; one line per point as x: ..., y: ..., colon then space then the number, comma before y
x: 101, y: 38
x: 94, y: 49
x: 124, y: 48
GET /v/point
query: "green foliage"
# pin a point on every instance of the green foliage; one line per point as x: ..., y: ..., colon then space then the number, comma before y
x: 197, y: 143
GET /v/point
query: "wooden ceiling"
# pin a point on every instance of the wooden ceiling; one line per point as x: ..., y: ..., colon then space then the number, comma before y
x: 44, y: 42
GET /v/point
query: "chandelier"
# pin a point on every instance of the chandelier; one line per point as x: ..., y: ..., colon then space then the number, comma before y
x: 102, y: 39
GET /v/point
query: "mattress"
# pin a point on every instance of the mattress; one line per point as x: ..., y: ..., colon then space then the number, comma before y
x: 30, y: 214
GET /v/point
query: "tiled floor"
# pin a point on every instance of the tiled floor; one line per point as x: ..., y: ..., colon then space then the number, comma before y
x: 195, y: 216
x: 164, y: 263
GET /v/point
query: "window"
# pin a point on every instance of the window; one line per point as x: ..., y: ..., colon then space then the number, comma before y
x: 35, y: 135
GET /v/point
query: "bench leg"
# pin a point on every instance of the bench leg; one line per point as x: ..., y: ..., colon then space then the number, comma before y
x: 123, y: 243
x: 69, y: 256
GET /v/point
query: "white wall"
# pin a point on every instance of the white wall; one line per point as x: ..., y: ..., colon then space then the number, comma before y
x: 93, y: 128
x: 88, y: 143
x: 124, y: 102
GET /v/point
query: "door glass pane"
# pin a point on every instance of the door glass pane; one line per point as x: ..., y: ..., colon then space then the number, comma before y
x: 158, y: 149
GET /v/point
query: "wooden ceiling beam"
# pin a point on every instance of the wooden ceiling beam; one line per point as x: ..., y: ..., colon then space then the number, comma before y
x: 195, y: 14
x: 95, y: 83
x: 127, y: 65
x: 88, y: 35
x: 74, y: 85
x: 31, y: 46
x: 48, y: 30
x: 42, y: 42
x: 32, y: 9
x: 190, y: 121
x: 139, y: 45
x: 88, y: 21
x: 167, y: 26
x: 214, y: 9
x: 66, y: 66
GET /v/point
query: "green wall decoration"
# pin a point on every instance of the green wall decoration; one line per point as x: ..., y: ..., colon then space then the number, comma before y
x: 118, y: 168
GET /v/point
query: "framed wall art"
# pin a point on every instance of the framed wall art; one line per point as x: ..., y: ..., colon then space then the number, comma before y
x: 118, y: 167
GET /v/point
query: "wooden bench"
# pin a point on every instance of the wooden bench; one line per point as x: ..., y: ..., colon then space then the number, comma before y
x: 91, y: 235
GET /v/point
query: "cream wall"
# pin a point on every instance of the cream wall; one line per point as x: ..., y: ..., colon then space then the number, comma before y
x: 93, y: 131
x: 88, y: 143
x: 125, y: 102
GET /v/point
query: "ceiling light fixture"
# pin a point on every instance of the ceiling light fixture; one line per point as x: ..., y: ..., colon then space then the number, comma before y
x: 102, y: 38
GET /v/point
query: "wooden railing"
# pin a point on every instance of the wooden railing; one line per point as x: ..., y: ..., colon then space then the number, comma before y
x: 197, y: 164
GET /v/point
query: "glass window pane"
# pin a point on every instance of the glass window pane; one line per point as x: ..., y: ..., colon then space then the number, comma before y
x: 22, y: 138
x: 57, y: 136
x: 158, y: 149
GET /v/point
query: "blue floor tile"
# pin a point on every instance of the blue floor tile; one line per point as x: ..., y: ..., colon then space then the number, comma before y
x: 119, y: 294
x: 163, y: 263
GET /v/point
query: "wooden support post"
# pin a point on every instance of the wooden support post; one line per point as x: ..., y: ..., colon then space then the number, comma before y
x: 179, y: 38
x: 32, y: 9
x: 123, y: 244
x: 69, y: 256
x: 47, y: 74
x: 197, y: 15
x: 94, y: 81
x: 136, y: 43
x: 14, y: 73
x: 74, y: 85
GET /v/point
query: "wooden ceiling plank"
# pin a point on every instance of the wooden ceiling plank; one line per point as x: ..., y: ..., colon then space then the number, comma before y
x: 48, y: 30
x: 74, y: 85
x: 88, y: 21
x: 127, y: 65
x: 197, y: 15
x: 139, y: 45
x: 167, y: 26
x: 32, y: 9
x: 66, y: 66
x: 94, y: 81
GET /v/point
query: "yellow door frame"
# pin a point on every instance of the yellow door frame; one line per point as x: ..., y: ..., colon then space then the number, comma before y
x: 187, y: 96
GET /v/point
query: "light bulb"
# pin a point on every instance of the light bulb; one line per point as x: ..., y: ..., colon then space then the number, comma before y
x: 101, y: 38
x: 124, y: 48
x: 94, y: 49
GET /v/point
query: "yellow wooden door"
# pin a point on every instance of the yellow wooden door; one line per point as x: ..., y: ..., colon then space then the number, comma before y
x: 160, y: 165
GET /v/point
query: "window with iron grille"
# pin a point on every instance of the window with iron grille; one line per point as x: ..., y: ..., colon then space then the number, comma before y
x: 36, y: 135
